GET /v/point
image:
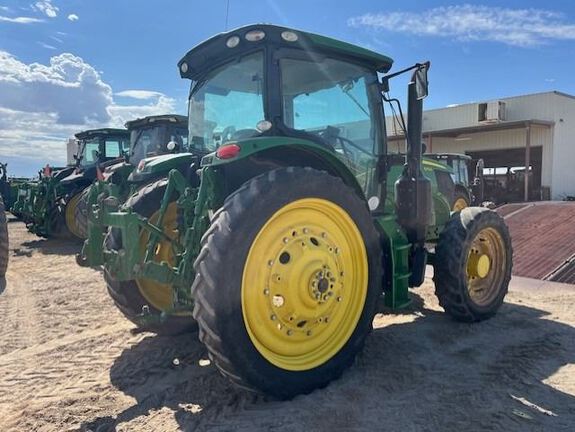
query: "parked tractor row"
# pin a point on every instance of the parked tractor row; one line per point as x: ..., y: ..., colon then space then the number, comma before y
x: 272, y: 218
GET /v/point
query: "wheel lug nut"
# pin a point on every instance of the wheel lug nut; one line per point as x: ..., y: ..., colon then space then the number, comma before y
x: 266, y: 291
x: 323, y: 235
x: 289, y: 332
x: 270, y: 263
x: 308, y: 333
x: 305, y: 230
x: 273, y: 317
x: 338, y: 299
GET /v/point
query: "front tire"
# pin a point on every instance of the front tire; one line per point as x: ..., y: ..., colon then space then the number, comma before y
x: 473, y: 263
x: 287, y: 282
x: 80, y: 208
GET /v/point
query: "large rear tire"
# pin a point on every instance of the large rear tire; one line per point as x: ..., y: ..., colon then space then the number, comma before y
x: 473, y: 263
x: 3, y: 240
x: 287, y: 282
x: 136, y: 296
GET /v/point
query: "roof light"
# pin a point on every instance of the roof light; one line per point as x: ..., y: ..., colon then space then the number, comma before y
x: 233, y: 41
x: 289, y: 36
x: 228, y: 151
x: 184, y: 67
x: 255, y: 35
x: 264, y: 125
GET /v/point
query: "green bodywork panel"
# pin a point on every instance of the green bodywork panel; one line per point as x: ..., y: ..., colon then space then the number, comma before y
x: 254, y: 146
x: 164, y: 163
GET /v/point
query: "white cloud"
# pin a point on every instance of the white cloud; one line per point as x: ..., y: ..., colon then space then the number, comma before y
x: 42, y: 105
x: 46, y: 7
x: 516, y: 27
x: 138, y: 94
x: 47, y: 46
x: 73, y: 17
x: 20, y: 20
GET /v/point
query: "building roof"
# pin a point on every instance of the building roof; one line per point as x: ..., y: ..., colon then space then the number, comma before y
x: 484, y: 127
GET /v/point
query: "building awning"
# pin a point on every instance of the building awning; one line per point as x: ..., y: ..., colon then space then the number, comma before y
x: 485, y: 127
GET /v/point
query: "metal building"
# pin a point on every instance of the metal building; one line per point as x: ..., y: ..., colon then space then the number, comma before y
x: 535, y: 131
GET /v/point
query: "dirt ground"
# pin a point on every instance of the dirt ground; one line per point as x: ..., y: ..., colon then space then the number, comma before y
x: 69, y: 361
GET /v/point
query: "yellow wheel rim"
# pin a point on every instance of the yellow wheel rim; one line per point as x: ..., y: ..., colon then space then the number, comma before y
x: 71, y: 215
x: 157, y: 294
x: 459, y: 204
x: 486, y: 263
x: 304, y: 284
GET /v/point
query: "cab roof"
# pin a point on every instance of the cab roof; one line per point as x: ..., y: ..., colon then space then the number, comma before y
x: 164, y: 118
x: 212, y: 51
x: 101, y: 132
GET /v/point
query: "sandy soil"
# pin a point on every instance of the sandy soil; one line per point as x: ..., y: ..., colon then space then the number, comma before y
x: 69, y: 361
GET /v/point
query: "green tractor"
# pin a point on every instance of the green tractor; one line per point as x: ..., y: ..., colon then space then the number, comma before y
x: 9, y: 188
x: 50, y: 204
x: 286, y: 223
x: 149, y: 137
x: 36, y: 198
x: 3, y: 245
x: 98, y: 149
x: 466, y: 192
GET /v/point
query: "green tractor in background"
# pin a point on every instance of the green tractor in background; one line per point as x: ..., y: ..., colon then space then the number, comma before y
x: 98, y: 149
x: 3, y: 245
x: 286, y: 222
x: 467, y: 192
x: 149, y: 137
x: 9, y: 188
x: 34, y: 198
x: 48, y: 205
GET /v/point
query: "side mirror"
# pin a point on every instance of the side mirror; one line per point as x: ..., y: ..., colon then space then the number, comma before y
x: 421, y: 82
x: 172, y: 145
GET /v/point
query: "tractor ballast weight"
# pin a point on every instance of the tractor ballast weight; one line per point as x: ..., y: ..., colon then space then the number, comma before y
x: 289, y: 223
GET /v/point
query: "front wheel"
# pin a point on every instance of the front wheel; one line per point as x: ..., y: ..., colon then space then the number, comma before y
x: 473, y: 264
x: 287, y: 281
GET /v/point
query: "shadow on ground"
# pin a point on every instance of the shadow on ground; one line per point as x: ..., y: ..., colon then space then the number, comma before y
x: 427, y: 374
x: 50, y: 247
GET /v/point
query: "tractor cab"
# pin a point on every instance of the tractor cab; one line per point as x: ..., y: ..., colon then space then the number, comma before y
x: 266, y: 81
x: 100, y: 145
x: 157, y: 135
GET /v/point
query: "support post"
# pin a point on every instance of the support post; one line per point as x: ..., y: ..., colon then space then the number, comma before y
x: 527, y: 161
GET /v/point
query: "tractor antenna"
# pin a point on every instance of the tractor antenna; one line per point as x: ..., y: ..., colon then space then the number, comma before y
x: 227, y: 13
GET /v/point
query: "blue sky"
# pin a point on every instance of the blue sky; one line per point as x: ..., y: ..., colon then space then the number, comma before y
x: 75, y: 64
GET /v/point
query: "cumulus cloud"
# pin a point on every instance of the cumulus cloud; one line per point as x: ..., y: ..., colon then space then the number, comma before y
x: 67, y: 86
x: 516, y: 27
x: 46, y: 7
x: 44, y: 104
x: 20, y: 20
x: 73, y: 17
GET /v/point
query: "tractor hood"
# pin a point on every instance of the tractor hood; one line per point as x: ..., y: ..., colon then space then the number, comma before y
x: 158, y: 165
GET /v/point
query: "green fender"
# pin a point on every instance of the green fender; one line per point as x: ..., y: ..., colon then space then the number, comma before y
x: 308, y: 153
